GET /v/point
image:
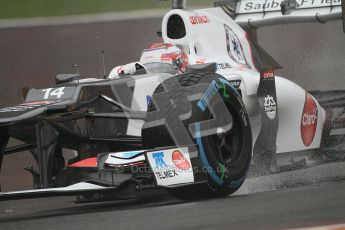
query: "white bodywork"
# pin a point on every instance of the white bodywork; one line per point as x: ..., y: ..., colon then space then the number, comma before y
x: 259, y: 13
x: 206, y: 41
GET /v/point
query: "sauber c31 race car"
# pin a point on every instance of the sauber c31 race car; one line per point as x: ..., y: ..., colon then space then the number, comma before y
x: 196, y: 125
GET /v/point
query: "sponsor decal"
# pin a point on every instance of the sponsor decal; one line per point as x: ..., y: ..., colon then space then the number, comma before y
x: 26, y: 106
x: 156, y: 46
x: 223, y: 90
x: 270, y: 107
x: 207, y: 97
x: 180, y: 161
x: 199, y: 19
x: 302, y: 4
x: 18, y: 108
x: 309, y: 120
x: 224, y: 66
x: 165, y: 174
x: 234, y: 47
x: 255, y: 6
x: 267, y: 74
x: 170, y: 56
x: 159, y: 160
x: 164, y: 171
x: 235, y: 83
x: 171, y: 166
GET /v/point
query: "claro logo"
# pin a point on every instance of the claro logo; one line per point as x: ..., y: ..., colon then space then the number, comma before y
x: 309, y: 120
x: 180, y: 161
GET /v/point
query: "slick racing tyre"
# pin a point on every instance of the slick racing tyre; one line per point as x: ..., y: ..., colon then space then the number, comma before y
x: 224, y: 155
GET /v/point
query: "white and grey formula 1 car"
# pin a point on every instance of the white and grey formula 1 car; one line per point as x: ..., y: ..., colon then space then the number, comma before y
x: 193, y: 120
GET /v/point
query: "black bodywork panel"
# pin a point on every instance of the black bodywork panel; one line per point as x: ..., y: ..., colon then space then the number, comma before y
x: 83, y: 117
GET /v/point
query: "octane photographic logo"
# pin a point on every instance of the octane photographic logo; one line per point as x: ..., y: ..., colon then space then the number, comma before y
x: 309, y: 120
x: 163, y: 171
x: 179, y: 98
x: 180, y: 161
x: 270, y: 107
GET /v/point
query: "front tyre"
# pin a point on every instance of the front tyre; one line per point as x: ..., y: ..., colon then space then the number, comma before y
x: 225, y: 155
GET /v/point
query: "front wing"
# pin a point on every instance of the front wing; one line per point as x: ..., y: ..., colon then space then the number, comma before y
x: 118, y: 175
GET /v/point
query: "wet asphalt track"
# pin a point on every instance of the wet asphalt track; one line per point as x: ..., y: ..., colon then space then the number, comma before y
x: 305, y: 198
x: 313, y: 56
x: 320, y: 204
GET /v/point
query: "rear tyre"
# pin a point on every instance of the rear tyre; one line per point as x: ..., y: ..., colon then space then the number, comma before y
x: 225, y: 156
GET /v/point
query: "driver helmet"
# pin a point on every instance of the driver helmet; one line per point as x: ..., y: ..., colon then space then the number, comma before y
x: 164, y: 58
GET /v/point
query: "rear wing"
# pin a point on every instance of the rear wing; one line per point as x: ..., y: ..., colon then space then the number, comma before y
x: 259, y: 13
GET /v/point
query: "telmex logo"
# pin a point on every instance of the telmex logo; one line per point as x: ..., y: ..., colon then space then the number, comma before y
x: 309, y: 120
x: 254, y: 6
x: 159, y: 159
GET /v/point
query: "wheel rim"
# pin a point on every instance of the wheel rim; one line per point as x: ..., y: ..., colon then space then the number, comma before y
x: 229, y: 144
